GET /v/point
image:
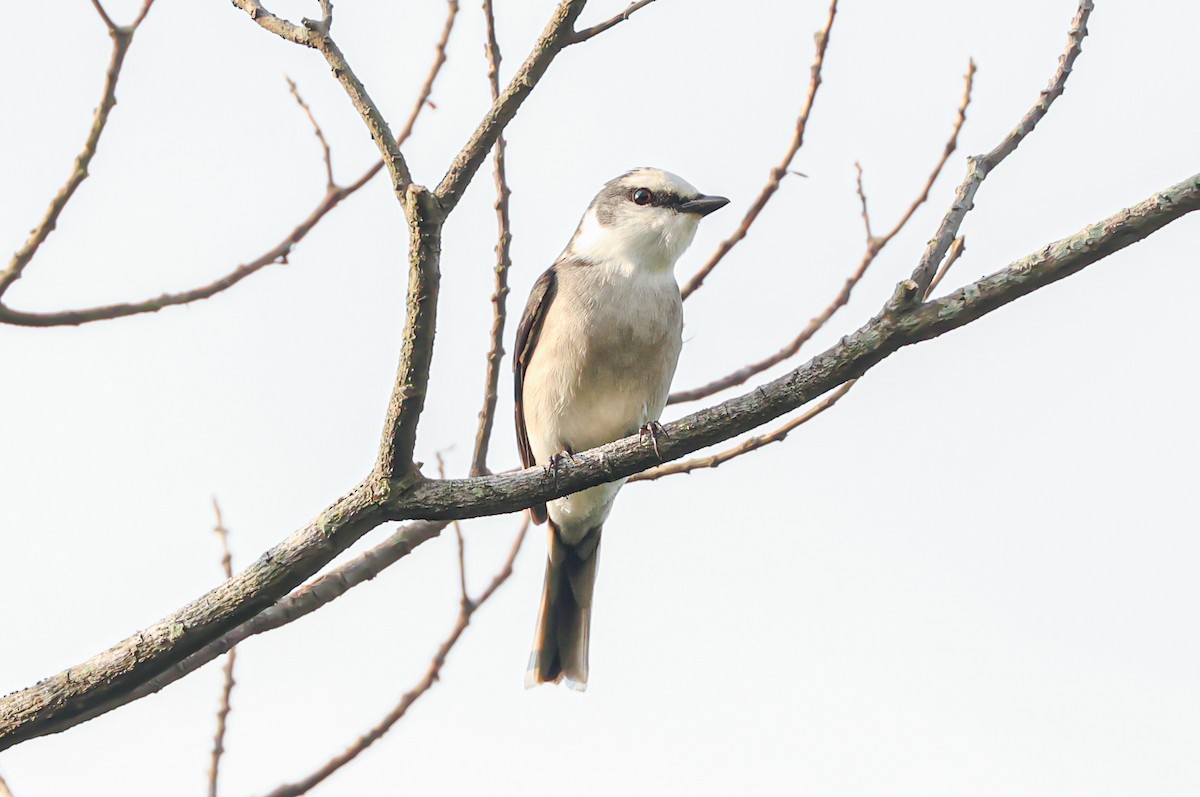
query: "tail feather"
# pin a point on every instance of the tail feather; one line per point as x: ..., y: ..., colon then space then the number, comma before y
x: 560, y: 645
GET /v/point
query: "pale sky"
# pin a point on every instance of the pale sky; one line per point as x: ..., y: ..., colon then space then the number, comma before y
x: 975, y: 575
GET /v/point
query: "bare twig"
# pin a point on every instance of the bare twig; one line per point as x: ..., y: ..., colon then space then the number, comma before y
x: 495, y: 357
x: 327, y: 155
x: 462, y: 547
x: 4, y: 790
x: 979, y: 166
x: 122, y: 38
x: 281, y: 27
x: 218, y: 748
x: 874, y: 245
x: 780, y: 171
x: 587, y: 33
x: 862, y: 198
x: 467, y: 608
x: 108, y: 23
x: 277, y: 254
x: 326, y: 13
x: 381, y: 134
x: 555, y: 37
x: 65, y: 699
x: 956, y: 249
x: 747, y: 445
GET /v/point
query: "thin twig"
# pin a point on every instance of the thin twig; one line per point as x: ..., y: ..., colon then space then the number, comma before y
x: 320, y: 39
x: 874, y: 245
x: 466, y: 610
x: 122, y: 38
x: 462, y: 546
x: 330, y: 185
x: 780, y: 171
x: 956, y: 249
x: 223, y: 709
x: 326, y: 13
x: 112, y: 27
x: 979, y: 166
x: 4, y: 790
x: 277, y: 254
x: 746, y: 446
x: 555, y: 37
x: 587, y: 33
x: 862, y: 198
x: 495, y: 356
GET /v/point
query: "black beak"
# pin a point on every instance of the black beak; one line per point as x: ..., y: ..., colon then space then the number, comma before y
x: 703, y: 205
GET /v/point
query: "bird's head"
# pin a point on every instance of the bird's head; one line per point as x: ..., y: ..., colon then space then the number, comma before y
x: 645, y: 218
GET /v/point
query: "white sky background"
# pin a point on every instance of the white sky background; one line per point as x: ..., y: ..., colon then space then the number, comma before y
x: 976, y: 575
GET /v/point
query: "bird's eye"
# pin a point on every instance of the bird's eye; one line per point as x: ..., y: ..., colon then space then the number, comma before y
x: 642, y: 196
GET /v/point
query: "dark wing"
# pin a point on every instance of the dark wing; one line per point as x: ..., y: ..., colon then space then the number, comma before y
x: 528, y: 330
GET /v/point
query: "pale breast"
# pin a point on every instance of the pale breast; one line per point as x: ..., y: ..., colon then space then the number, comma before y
x: 604, y: 360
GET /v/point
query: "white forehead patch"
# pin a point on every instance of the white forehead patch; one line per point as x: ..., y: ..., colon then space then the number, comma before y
x: 659, y: 181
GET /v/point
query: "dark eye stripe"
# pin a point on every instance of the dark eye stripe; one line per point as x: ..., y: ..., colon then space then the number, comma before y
x: 658, y: 200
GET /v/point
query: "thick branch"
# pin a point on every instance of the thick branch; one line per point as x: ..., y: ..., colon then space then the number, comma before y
x: 301, y: 603
x: 746, y: 446
x: 416, y: 352
x: 902, y: 322
x: 116, y: 672
x: 778, y: 173
x: 980, y: 166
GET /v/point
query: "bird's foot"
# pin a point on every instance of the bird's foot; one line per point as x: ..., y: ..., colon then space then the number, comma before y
x: 652, y: 430
x: 556, y: 461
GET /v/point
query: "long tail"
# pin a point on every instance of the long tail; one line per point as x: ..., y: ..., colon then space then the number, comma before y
x: 560, y: 645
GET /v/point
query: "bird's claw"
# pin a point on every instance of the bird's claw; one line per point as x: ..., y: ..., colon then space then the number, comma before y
x: 555, y: 462
x: 652, y: 430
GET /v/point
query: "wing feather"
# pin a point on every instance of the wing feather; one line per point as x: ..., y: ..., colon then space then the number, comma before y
x: 540, y: 299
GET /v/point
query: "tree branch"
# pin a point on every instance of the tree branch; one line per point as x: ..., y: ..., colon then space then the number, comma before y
x: 587, y: 33
x: 780, y: 171
x: 874, y: 246
x: 301, y: 603
x: 61, y: 699
x: 223, y: 709
x: 381, y: 134
x: 467, y: 608
x: 277, y: 254
x: 122, y: 38
x: 979, y: 166
x: 556, y: 36
x: 956, y: 249
x: 901, y: 322
x: 495, y: 357
x: 746, y: 446
x: 330, y: 185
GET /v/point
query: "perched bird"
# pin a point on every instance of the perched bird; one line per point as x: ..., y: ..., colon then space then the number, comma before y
x: 596, y: 350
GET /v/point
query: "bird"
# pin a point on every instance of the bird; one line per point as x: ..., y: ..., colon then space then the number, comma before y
x: 595, y: 354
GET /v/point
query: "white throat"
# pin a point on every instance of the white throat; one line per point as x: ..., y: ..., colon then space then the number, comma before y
x: 642, y: 247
